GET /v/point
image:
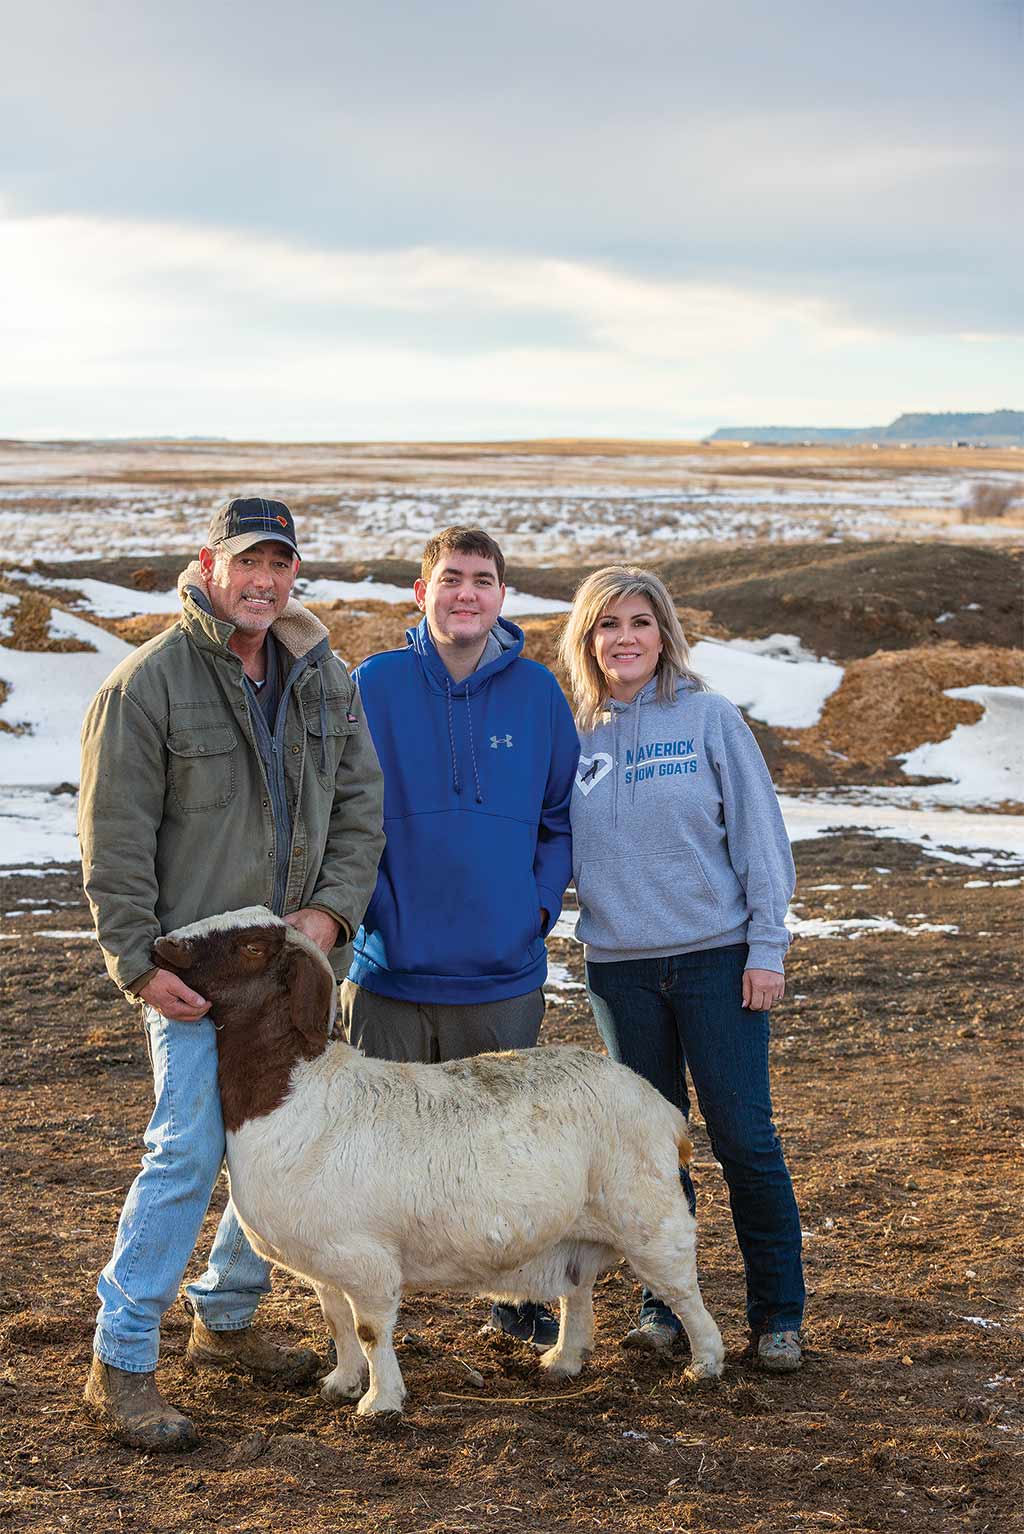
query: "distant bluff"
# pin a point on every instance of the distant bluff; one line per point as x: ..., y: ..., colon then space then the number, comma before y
x: 993, y: 428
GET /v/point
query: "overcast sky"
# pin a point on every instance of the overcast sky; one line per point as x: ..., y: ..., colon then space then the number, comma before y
x: 467, y: 218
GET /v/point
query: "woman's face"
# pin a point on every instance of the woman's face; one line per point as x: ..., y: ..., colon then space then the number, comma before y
x: 626, y: 643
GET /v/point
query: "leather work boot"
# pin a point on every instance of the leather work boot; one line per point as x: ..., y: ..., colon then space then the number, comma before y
x: 246, y: 1352
x: 134, y: 1412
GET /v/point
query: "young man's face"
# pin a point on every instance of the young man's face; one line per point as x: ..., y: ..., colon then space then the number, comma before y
x: 250, y: 589
x: 462, y: 599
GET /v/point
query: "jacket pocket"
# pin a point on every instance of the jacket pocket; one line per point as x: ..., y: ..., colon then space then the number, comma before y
x: 325, y: 746
x: 203, y: 766
x: 652, y: 900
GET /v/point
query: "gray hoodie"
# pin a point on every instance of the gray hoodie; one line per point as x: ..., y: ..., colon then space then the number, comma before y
x: 678, y: 840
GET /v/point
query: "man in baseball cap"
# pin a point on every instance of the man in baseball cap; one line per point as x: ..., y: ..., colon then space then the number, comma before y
x: 226, y: 763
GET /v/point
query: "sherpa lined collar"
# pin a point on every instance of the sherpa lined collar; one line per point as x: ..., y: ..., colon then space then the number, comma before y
x: 299, y: 630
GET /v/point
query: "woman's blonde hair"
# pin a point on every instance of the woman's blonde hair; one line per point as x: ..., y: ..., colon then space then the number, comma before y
x: 593, y: 597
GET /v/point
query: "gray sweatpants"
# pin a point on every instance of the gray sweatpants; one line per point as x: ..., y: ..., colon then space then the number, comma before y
x: 433, y: 1031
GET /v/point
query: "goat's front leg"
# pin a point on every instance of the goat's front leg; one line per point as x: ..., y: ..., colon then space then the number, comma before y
x: 347, y: 1380
x: 375, y: 1318
x: 575, y: 1333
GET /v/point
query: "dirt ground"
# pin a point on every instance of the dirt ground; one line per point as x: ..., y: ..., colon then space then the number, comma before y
x: 896, y: 1073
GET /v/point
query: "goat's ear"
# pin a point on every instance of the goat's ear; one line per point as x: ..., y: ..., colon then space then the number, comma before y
x: 169, y: 951
x: 309, y: 996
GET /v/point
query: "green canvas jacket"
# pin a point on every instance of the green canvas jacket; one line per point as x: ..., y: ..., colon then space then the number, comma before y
x: 175, y: 812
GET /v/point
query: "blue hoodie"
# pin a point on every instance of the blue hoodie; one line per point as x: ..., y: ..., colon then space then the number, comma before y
x: 477, y: 780
x: 678, y: 839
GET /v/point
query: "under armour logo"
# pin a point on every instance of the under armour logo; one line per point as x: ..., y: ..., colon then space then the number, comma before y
x: 500, y: 740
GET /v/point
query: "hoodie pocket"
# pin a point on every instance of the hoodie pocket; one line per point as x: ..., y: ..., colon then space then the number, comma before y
x: 653, y: 900
x: 203, y: 766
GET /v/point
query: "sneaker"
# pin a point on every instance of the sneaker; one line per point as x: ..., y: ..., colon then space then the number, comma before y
x: 658, y: 1329
x: 780, y: 1352
x: 527, y: 1322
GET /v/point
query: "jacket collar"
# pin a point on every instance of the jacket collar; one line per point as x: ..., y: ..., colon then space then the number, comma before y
x: 298, y: 630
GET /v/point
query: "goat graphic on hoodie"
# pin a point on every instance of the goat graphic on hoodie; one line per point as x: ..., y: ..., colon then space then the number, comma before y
x: 678, y: 839
x: 477, y: 780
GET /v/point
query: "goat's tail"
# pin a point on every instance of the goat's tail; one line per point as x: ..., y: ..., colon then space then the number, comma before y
x: 684, y: 1145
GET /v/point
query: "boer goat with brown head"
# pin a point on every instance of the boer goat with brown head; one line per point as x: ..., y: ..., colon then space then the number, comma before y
x: 518, y: 1176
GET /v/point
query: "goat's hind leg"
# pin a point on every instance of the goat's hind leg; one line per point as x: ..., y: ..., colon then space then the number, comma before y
x: 667, y: 1264
x: 347, y: 1380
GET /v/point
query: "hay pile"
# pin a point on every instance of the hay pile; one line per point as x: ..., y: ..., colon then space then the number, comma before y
x: 893, y: 701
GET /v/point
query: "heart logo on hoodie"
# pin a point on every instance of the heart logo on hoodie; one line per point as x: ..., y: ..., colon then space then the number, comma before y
x: 592, y: 769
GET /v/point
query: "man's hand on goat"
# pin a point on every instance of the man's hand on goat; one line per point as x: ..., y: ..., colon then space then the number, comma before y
x: 170, y: 995
x: 323, y: 929
x: 761, y: 987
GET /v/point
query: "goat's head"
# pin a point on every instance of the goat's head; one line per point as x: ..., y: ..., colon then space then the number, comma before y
x: 252, y: 966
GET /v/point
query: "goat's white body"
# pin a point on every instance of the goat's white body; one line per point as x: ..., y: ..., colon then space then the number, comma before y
x: 518, y: 1176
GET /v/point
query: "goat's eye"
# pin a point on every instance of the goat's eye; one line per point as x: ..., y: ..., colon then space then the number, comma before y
x: 251, y: 948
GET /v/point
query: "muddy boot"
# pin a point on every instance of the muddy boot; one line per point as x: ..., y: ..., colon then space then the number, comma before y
x: 134, y: 1412
x: 246, y: 1352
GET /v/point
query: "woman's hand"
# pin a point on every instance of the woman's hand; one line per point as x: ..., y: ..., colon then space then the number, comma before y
x: 762, y: 987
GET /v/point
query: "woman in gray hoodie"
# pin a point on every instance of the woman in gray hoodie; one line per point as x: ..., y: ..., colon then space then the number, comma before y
x: 684, y: 872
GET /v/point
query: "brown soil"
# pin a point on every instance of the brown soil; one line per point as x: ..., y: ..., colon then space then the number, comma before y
x: 847, y: 600
x: 895, y: 1063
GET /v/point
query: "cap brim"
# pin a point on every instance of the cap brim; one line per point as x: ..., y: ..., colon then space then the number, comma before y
x: 243, y: 541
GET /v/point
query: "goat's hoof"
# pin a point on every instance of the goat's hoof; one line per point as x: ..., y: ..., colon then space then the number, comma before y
x: 365, y: 1419
x: 333, y: 1389
x: 561, y: 1366
x: 701, y: 1371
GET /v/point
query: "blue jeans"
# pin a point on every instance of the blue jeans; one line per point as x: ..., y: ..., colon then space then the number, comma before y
x: 662, y: 1016
x: 165, y: 1208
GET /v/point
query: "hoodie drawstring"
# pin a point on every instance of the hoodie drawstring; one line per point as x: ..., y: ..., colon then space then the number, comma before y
x: 636, y: 744
x: 456, y: 781
x: 451, y: 739
x: 472, y: 750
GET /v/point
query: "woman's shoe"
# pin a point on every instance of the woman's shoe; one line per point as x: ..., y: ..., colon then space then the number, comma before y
x: 780, y: 1352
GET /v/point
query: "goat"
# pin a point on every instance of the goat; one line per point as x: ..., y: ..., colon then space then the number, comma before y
x: 519, y: 1176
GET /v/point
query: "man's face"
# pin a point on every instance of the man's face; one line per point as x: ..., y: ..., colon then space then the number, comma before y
x: 462, y: 599
x: 250, y: 589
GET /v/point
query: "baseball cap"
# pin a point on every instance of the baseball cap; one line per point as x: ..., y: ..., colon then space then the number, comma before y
x: 250, y: 519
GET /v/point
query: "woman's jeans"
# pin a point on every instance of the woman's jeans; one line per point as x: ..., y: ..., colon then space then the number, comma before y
x: 662, y: 1016
x: 165, y: 1208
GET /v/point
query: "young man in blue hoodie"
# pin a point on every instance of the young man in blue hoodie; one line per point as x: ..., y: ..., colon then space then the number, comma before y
x: 479, y: 753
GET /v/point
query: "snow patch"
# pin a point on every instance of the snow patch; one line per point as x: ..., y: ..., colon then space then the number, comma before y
x: 104, y: 599
x: 981, y: 760
x: 855, y: 927
x: 782, y: 692
x: 48, y: 693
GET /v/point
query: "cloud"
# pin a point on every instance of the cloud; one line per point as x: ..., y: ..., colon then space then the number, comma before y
x: 867, y: 154
x: 130, y: 327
